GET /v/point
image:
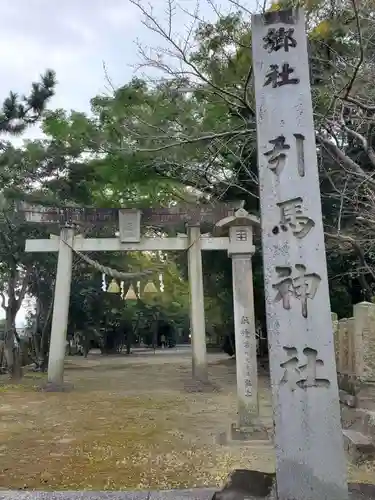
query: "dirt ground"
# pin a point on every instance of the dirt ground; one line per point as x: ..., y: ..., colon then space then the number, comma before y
x: 131, y: 422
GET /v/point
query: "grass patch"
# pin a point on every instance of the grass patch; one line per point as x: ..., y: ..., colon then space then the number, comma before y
x: 29, y: 382
x: 96, y: 441
x: 129, y: 426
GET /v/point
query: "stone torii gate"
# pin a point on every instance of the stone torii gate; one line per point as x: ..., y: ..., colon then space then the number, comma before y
x: 231, y: 230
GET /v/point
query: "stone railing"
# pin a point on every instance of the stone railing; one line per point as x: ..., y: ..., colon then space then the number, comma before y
x: 355, y: 347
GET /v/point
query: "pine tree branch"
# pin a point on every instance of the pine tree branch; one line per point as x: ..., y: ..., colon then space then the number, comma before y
x: 17, y: 114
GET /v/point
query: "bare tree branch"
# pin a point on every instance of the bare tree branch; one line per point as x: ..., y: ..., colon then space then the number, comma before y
x: 350, y: 84
x: 343, y: 159
x: 157, y: 28
x: 357, y: 248
x: 360, y: 104
x: 194, y: 140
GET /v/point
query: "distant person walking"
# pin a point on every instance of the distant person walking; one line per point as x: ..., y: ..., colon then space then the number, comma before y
x: 163, y: 341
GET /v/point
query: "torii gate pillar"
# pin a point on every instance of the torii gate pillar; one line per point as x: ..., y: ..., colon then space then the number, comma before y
x: 197, y: 317
x: 61, y: 308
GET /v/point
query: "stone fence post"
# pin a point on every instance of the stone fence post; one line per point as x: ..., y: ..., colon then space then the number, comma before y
x: 336, y: 339
x: 364, y: 341
x: 355, y: 348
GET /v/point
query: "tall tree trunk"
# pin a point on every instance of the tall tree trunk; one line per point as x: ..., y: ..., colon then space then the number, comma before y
x: 35, y: 334
x: 44, y: 340
x: 2, y: 356
x: 40, y: 335
x: 12, y: 347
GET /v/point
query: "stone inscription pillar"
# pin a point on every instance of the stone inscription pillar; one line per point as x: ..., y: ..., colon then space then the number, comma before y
x: 61, y: 308
x: 197, y: 317
x: 241, y: 248
x: 244, y: 327
x: 310, y: 459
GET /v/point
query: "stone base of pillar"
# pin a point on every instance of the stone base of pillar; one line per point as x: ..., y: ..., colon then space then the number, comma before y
x: 199, y: 386
x: 256, y: 435
x: 54, y: 387
x: 255, y: 432
x: 200, y: 373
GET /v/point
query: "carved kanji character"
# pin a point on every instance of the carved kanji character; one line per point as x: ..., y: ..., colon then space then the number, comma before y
x: 302, y: 375
x: 292, y: 215
x: 304, y: 286
x: 277, y: 39
x: 248, y: 387
x: 246, y: 333
x: 279, y: 78
x: 276, y: 155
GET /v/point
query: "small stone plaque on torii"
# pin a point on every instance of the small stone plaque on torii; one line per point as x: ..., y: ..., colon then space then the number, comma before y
x: 129, y: 222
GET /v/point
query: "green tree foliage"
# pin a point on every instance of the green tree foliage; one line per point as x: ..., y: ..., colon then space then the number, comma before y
x: 29, y: 173
x: 213, y: 67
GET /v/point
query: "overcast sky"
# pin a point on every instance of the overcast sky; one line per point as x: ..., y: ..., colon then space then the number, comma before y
x: 74, y: 38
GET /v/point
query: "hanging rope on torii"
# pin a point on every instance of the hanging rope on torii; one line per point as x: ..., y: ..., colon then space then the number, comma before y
x: 114, y: 273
